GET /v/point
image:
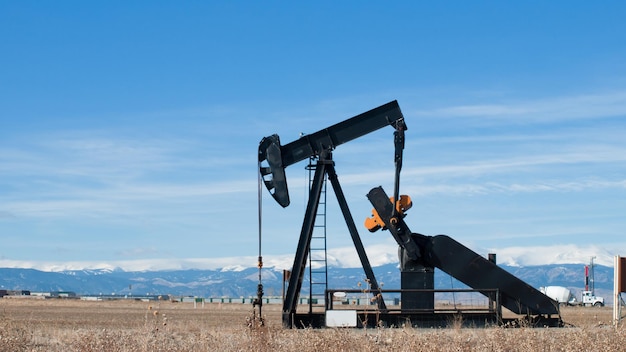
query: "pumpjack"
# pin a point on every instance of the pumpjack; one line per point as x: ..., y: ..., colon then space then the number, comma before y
x: 419, y: 254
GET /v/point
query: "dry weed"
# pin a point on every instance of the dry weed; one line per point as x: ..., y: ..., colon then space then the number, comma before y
x: 136, y: 326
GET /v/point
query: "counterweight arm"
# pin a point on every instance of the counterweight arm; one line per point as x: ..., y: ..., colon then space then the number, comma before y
x: 460, y: 262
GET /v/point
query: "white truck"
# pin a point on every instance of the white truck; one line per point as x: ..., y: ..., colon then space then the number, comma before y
x: 564, y: 296
x: 589, y: 299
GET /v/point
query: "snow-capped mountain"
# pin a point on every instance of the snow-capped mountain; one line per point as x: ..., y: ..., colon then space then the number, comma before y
x: 242, y: 282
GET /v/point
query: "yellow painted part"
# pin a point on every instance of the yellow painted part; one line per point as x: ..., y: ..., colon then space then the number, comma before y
x: 374, y: 222
x: 405, y: 203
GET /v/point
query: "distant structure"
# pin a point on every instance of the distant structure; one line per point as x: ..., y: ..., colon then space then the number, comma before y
x: 619, y: 286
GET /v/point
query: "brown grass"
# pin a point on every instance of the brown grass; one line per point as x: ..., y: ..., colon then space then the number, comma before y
x: 71, y: 325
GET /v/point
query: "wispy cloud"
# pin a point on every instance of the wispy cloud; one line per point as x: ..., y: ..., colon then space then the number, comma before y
x: 495, y: 187
x: 82, y: 160
x: 340, y: 257
x: 103, y: 182
x: 588, y: 106
x: 6, y: 215
x: 490, y: 168
x: 138, y: 252
x: 120, y: 200
x: 556, y: 254
x: 64, y: 176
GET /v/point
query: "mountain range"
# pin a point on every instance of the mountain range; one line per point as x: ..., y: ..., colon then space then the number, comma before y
x: 242, y: 282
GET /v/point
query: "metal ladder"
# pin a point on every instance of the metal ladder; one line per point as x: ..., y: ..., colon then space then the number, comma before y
x: 318, y: 258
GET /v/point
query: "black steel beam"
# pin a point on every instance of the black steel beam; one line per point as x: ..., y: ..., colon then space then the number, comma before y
x: 478, y: 273
x: 274, y: 158
x: 299, y: 264
x: 329, y: 138
x: 462, y: 263
x: 356, y: 239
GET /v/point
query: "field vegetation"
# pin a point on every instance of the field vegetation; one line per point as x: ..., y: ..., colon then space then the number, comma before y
x: 74, y: 325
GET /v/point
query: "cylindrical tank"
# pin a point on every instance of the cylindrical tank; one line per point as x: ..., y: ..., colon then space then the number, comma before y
x: 558, y: 293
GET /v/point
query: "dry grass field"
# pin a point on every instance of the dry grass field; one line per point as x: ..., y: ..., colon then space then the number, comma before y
x: 73, y: 325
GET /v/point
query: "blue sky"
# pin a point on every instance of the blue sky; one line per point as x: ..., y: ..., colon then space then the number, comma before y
x: 130, y: 129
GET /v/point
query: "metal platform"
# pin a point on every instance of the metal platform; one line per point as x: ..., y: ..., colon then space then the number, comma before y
x: 372, y: 319
x: 487, y: 314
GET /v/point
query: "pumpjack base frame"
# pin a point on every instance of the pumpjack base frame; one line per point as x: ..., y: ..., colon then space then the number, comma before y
x: 477, y: 316
x: 372, y: 319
